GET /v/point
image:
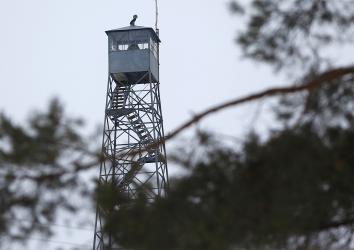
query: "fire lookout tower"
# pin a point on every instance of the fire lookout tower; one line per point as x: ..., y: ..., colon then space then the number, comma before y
x: 133, y: 121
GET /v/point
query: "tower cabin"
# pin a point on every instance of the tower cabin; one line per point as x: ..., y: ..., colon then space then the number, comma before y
x: 133, y: 55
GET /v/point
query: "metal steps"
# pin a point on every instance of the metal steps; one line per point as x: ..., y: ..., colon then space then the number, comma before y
x: 118, y: 109
x: 118, y: 102
x: 141, y: 130
x: 120, y: 96
x: 146, y: 139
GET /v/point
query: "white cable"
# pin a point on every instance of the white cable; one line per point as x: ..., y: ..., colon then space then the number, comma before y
x: 52, y: 224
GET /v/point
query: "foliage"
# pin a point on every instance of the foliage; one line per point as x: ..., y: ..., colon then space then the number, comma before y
x: 294, y: 190
x: 35, y: 178
x: 294, y: 34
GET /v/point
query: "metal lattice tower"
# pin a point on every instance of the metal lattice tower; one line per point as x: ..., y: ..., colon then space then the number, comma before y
x: 133, y: 120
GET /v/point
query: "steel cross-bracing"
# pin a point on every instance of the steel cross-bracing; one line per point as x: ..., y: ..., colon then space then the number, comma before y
x: 133, y: 122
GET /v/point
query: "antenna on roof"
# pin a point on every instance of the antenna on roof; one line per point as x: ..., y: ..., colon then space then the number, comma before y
x: 156, y: 17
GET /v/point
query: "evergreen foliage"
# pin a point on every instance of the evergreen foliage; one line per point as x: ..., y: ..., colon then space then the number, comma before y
x: 36, y: 170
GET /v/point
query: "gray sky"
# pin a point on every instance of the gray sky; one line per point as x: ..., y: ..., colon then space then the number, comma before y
x: 58, y: 48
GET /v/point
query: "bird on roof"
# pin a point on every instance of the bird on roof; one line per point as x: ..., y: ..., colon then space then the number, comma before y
x: 132, y: 22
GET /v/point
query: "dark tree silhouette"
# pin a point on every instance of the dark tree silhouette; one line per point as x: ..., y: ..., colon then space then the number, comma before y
x: 39, y: 165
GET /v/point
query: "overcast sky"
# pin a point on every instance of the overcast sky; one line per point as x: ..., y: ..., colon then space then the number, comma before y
x: 58, y: 48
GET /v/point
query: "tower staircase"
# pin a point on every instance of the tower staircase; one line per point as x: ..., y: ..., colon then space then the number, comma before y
x: 118, y: 109
x: 146, y: 140
x: 120, y: 96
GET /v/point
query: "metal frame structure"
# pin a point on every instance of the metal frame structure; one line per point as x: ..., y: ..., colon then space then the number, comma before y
x: 133, y: 123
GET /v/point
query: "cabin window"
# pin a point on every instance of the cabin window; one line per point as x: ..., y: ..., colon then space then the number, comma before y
x: 113, y: 45
x: 131, y: 45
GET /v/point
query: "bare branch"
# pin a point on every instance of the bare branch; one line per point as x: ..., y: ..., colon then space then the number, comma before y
x: 324, y: 78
